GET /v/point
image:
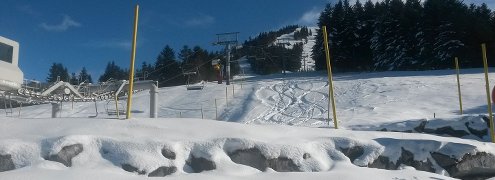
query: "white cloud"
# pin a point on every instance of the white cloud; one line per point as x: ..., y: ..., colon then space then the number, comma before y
x: 202, y: 20
x: 121, y: 44
x: 310, y: 17
x: 66, y: 23
x: 28, y: 9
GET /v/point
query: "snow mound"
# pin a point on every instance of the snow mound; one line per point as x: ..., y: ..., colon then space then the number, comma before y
x: 467, y: 127
x: 177, y: 147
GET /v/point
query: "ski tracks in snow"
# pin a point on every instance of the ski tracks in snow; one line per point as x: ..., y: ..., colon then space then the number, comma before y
x: 292, y: 102
x: 305, y: 102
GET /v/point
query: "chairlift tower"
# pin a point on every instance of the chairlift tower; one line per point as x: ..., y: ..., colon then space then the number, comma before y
x: 227, y: 39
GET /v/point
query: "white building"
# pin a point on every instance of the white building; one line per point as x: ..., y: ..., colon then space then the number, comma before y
x: 10, y: 75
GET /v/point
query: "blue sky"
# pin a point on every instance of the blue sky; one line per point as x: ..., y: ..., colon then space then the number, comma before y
x: 91, y: 33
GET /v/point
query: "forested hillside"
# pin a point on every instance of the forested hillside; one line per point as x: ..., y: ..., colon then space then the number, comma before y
x: 404, y: 35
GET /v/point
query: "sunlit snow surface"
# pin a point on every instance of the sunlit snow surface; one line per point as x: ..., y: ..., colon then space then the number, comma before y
x: 301, y: 99
x: 262, y: 108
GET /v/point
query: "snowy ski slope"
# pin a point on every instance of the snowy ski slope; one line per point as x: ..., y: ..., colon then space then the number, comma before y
x: 258, y: 110
x: 302, y: 98
x: 307, y: 61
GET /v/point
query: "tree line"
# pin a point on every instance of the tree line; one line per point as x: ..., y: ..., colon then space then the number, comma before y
x: 169, y: 68
x: 404, y: 35
x: 58, y: 72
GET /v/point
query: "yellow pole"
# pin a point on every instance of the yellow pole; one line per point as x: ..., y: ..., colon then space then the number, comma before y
x: 458, y: 84
x: 216, y: 110
x: 485, y: 64
x: 330, y: 80
x: 133, y: 57
x: 226, y: 96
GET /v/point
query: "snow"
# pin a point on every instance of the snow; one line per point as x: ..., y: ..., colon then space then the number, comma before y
x: 281, y: 115
x: 109, y: 143
x: 340, y: 171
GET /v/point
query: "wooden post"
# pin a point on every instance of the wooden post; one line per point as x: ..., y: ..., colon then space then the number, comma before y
x: 331, y: 97
x: 133, y: 58
x: 458, y: 84
x: 490, y: 113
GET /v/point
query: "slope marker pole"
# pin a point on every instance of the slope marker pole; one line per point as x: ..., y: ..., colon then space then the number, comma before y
x: 458, y: 84
x: 133, y: 58
x: 331, y: 97
x: 490, y: 116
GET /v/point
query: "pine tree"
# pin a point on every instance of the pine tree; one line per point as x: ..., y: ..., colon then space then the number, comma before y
x: 84, y: 76
x: 167, y: 70
x: 73, y: 79
x: 318, y: 48
x: 294, y: 60
x: 185, y: 53
x: 404, y: 35
x: 335, y: 31
x: 389, y: 43
x: 441, y: 27
x: 198, y: 63
x: 346, y: 58
x: 303, y: 33
x: 264, y: 54
x: 114, y: 72
x: 361, y: 52
x: 146, y: 72
x: 366, y: 24
x: 446, y: 45
x: 58, y: 72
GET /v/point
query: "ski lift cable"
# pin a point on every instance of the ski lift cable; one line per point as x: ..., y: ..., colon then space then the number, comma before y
x: 167, y: 65
x: 160, y: 67
x: 197, y: 67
